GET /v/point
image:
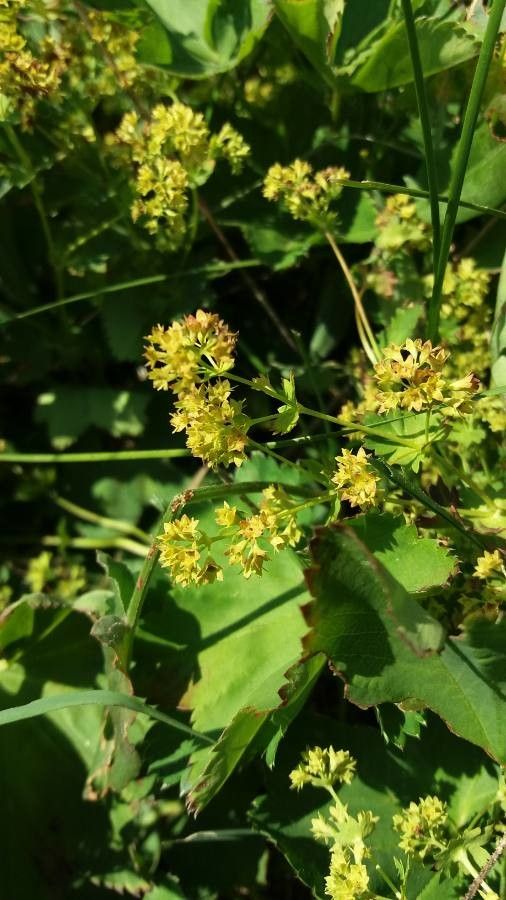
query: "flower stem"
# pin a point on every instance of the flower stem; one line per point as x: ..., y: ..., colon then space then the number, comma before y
x: 372, y: 348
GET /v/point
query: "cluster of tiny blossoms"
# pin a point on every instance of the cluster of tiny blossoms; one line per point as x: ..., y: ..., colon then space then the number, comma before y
x: 466, y: 316
x: 182, y: 357
x: 343, y: 833
x: 175, y: 356
x: 423, y: 827
x: 26, y: 76
x: 399, y: 225
x: 172, y: 151
x: 185, y: 546
x: 411, y: 377
x: 355, y: 480
x: 304, y: 193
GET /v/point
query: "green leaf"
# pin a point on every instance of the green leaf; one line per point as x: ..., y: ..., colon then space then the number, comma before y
x: 288, y: 413
x: 403, y: 437
x: 417, y: 563
x: 314, y: 26
x: 278, y: 242
x: 16, y: 622
x: 214, y: 767
x: 443, y: 44
x: 498, y: 337
x: 68, y: 412
x: 206, y: 37
x: 351, y: 622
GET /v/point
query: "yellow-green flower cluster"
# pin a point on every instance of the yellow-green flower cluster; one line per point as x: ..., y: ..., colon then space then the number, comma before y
x: 182, y: 358
x: 185, y: 547
x: 423, y: 826
x: 400, y: 226
x: 184, y: 550
x: 411, y: 377
x: 230, y: 145
x: 304, y: 193
x: 275, y: 523
x: 323, y: 767
x: 61, y: 580
x: 488, y: 565
x: 216, y: 428
x: 345, y: 834
x: 355, y: 480
x: 26, y: 76
x: 466, y: 315
x: 493, y: 411
x: 170, y: 152
x: 175, y: 356
x: 347, y: 879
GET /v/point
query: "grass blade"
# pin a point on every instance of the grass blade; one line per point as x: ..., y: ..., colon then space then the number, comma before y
x: 94, y: 698
x: 423, y: 109
x: 387, y: 188
x: 461, y: 160
x: 212, y: 270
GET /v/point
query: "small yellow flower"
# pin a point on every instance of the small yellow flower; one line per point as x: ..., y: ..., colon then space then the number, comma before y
x: 183, y: 549
x: 399, y: 225
x: 355, y: 480
x: 323, y: 767
x: 231, y: 145
x: 422, y: 826
x: 216, y: 429
x: 488, y: 564
x: 347, y: 879
x: 411, y: 377
x: 226, y: 515
x: 175, y: 355
x: 275, y: 523
x: 306, y: 195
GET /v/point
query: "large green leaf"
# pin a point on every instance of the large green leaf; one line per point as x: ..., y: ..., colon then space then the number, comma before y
x: 205, y: 36
x: 386, y: 781
x: 442, y: 44
x: 351, y: 622
x: 417, y: 563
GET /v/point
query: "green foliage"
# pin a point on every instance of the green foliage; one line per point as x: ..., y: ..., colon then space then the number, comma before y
x: 290, y: 554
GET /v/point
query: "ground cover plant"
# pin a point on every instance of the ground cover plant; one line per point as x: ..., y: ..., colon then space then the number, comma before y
x: 252, y: 314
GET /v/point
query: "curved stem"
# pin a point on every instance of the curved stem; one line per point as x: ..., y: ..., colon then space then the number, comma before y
x: 356, y: 296
x: 89, y: 516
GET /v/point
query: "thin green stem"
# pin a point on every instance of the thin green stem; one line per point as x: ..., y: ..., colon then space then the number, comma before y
x: 82, y: 543
x: 104, y: 521
x: 423, y: 109
x: 461, y: 160
x: 212, y: 269
x: 357, y: 300
x: 106, y: 456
